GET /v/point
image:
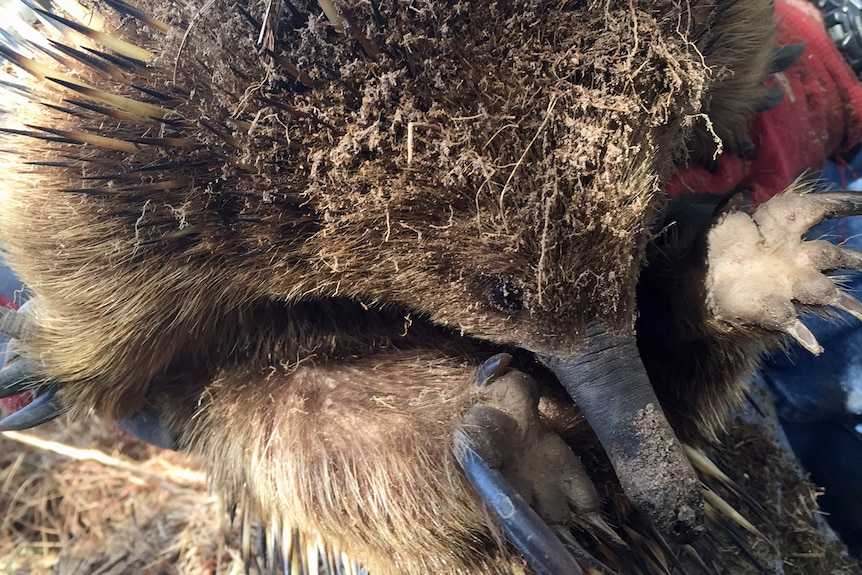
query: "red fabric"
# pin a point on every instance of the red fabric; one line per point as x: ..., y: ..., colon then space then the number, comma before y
x: 16, y: 402
x: 819, y: 116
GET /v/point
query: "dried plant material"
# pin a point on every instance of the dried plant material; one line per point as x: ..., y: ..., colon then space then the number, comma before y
x: 114, y: 508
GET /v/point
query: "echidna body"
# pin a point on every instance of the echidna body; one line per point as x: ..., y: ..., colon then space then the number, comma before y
x: 296, y: 230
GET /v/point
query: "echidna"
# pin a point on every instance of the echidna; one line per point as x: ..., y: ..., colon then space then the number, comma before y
x: 305, y: 240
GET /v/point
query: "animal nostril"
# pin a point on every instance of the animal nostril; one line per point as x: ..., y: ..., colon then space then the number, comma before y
x: 506, y: 296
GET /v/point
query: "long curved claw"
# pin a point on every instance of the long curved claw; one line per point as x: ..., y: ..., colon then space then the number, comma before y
x: 492, y: 368
x: 42, y: 409
x: 148, y: 426
x: 784, y: 57
x: 773, y: 97
x: 793, y: 214
x: 542, y: 549
x: 838, y: 204
x: 18, y: 377
x: 838, y: 258
x: 509, y: 445
x: 850, y: 304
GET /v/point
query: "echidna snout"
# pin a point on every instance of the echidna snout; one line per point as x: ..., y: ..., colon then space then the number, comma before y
x: 610, y: 386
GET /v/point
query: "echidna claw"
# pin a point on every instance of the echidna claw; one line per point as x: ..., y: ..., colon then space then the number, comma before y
x: 773, y: 97
x: 837, y: 205
x: 148, y: 426
x: 839, y: 258
x: 492, y: 368
x: 542, y: 549
x: 850, y: 304
x: 804, y: 337
x: 17, y: 377
x: 44, y: 407
x: 503, y: 442
x: 784, y: 57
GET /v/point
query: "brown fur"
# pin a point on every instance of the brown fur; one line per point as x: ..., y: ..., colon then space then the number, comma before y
x: 298, y: 279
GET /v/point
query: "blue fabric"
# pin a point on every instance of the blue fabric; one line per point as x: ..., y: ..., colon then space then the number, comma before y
x: 809, y: 388
x: 10, y: 286
x: 819, y: 399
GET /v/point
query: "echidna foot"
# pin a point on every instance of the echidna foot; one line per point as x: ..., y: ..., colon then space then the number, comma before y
x: 527, y: 476
x: 763, y: 272
x: 19, y: 376
x: 46, y: 405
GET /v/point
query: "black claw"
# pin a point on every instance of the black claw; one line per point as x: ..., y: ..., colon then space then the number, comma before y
x: 42, y: 409
x: 809, y: 210
x: 774, y: 96
x: 17, y: 377
x: 745, y: 148
x: 147, y: 426
x: 784, y: 57
x: 545, y: 553
x: 12, y: 322
x: 492, y: 368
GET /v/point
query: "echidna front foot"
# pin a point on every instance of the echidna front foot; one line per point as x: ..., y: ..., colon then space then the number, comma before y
x: 529, y: 479
x: 763, y: 272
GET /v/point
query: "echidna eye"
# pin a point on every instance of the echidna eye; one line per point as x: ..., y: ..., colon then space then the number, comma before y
x: 506, y: 296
